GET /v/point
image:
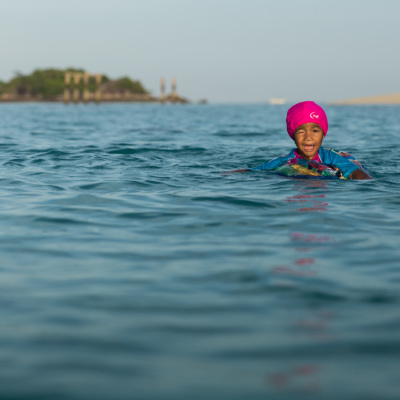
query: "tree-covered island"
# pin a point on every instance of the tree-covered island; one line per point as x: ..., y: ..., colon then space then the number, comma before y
x: 51, y: 85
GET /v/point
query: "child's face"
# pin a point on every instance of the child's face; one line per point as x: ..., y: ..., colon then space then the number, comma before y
x: 308, y: 138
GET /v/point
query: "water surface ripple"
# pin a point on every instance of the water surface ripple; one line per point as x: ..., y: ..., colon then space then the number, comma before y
x: 131, y: 267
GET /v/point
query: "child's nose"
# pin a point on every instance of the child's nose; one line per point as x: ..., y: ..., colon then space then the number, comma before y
x: 308, y: 135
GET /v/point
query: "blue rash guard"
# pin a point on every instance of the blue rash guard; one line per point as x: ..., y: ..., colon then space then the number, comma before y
x: 345, y: 162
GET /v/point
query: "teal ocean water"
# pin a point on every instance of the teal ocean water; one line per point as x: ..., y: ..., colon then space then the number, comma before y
x: 132, y: 268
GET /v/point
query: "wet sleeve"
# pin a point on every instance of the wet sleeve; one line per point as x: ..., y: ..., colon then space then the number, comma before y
x: 273, y: 164
x: 345, y: 164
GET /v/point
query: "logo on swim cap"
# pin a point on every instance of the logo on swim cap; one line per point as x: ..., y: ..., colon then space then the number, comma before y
x: 314, y: 116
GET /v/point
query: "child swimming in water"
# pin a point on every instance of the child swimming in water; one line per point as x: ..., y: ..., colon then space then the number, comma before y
x: 307, y: 125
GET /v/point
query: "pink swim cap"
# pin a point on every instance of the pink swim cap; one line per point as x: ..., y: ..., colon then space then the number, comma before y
x: 302, y: 113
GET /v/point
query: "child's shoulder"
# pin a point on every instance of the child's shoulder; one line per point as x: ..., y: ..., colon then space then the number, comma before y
x: 330, y: 154
x: 338, y: 152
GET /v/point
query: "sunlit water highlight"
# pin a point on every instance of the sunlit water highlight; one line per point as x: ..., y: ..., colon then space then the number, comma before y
x: 132, y: 268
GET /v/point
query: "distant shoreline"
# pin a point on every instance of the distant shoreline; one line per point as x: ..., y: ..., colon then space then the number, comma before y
x: 388, y: 99
x: 89, y: 102
x: 75, y: 85
x: 106, y: 98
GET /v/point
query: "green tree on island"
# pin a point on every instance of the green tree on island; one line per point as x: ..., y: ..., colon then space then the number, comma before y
x: 48, y: 84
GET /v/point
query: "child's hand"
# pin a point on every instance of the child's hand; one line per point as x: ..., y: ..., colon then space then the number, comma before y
x: 359, y: 174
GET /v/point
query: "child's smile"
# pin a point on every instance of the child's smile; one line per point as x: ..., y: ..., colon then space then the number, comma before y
x: 308, y: 138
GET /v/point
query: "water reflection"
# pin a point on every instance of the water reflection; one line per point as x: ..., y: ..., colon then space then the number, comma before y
x: 303, y: 378
x: 316, y: 325
x: 314, y: 202
x: 313, y: 324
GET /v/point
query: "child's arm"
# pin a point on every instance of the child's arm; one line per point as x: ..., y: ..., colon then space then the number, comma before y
x: 267, y: 166
x: 346, y: 163
x: 359, y: 174
x: 275, y: 163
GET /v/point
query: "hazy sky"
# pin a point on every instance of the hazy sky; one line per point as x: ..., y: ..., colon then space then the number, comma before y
x: 222, y: 50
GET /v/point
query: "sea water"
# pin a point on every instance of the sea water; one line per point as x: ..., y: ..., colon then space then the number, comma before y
x: 132, y: 267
